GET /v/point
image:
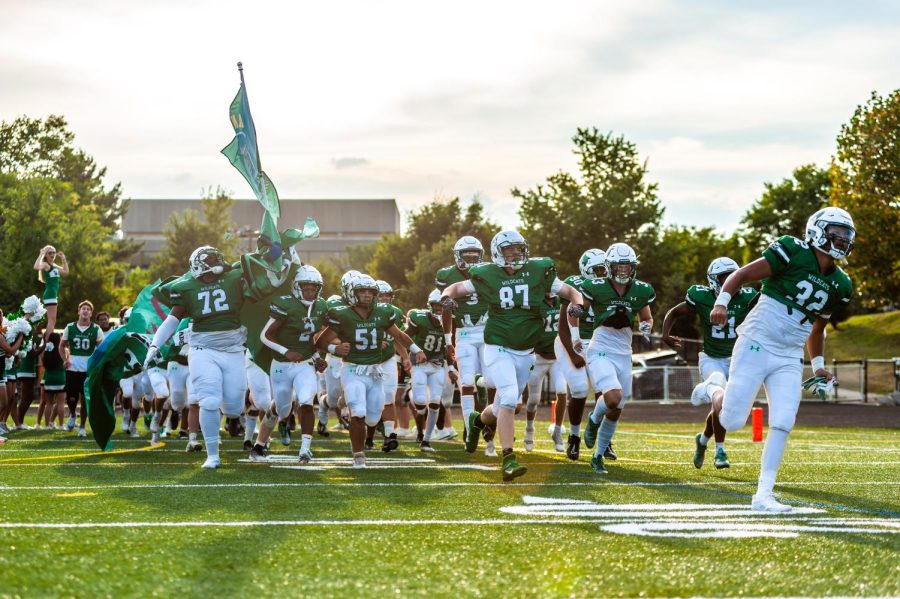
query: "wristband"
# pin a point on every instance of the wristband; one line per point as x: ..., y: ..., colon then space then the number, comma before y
x: 331, y: 348
x: 723, y: 299
x: 448, y: 338
x: 817, y: 363
x: 575, y: 334
x: 414, y: 349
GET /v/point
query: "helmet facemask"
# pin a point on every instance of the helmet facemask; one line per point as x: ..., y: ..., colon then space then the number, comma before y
x: 622, y: 273
x: 206, y: 260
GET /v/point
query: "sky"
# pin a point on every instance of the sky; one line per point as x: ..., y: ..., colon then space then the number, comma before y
x: 417, y: 100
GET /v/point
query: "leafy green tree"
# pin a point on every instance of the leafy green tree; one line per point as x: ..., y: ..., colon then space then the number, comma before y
x: 610, y: 200
x: 866, y: 173
x: 186, y: 232
x: 784, y: 207
x: 395, y: 256
x: 43, y: 148
x: 35, y: 211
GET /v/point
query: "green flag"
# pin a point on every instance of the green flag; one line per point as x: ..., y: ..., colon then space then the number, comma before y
x: 243, y: 153
x: 119, y: 356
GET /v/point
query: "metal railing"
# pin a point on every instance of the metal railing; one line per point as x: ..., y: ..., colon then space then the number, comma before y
x: 859, y: 380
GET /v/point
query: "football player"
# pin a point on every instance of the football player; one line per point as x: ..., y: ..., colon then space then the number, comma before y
x: 617, y: 300
x: 391, y: 369
x: 212, y: 296
x: 718, y: 343
x: 293, y: 320
x: 469, y: 321
x: 428, y: 378
x: 546, y: 365
x: 78, y: 342
x: 591, y: 265
x: 802, y: 285
x: 356, y: 333
x: 513, y: 285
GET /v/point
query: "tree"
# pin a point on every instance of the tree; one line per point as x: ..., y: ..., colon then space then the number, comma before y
x: 35, y: 211
x: 439, y: 223
x: 866, y: 173
x: 784, y: 207
x: 43, y: 148
x: 612, y: 201
x: 187, y: 231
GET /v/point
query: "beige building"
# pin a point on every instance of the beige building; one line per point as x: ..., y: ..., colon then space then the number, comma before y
x: 342, y: 223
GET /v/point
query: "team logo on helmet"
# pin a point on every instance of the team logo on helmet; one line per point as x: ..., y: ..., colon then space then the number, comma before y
x: 618, y: 256
x: 467, y: 251
x: 509, y: 241
x: 591, y: 261
x: 206, y: 259
x: 717, y: 268
x: 831, y: 231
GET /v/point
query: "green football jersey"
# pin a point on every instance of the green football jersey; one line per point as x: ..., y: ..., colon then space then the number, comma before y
x: 550, y: 314
x: 82, y: 343
x: 718, y: 341
x: 390, y: 350
x: 614, y: 310
x: 798, y: 283
x: 213, y: 306
x: 365, y: 334
x: 473, y: 309
x: 426, y: 332
x: 586, y: 322
x: 514, y: 314
x: 298, y: 323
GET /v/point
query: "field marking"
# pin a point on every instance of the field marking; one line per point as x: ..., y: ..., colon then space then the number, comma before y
x: 84, y: 455
x: 264, y: 485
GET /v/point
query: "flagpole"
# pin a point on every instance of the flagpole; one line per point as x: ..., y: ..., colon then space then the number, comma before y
x: 241, y: 71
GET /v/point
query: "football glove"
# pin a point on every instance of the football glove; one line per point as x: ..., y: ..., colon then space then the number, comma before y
x: 575, y: 310
x: 645, y: 328
x: 819, y: 387
x: 152, y: 354
x: 449, y: 303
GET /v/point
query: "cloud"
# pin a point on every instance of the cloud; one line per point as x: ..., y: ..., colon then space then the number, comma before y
x: 348, y: 162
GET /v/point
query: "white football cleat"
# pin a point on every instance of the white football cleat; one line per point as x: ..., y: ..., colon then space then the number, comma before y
x: 490, y: 450
x: 70, y: 423
x: 359, y: 460
x: 154, y: 438
x: 133, y: 431
x: 529, y: 440
x: 211, y: 463
x: 82, y: 433
x: 557, y: 437
x: 768, y: 503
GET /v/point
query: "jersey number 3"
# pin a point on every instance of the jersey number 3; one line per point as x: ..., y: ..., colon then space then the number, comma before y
x: 217, y: 297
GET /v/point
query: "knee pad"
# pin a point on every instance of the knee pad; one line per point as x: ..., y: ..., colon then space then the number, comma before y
x: 421, y: 410
x: 508, y: 396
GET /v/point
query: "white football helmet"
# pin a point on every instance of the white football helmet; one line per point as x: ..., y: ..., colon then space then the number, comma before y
x: 621, y: 253
x: 384, y: 288
x: 828, y: 226
x: 307, y: 274
x: 206, y: 259
x: 718, y: 267
x: 357, y: 284
x: 590, y: 261
x: 434, y: 300
x: 505, y: 239
x: 467, y: 243
x: 346, y: 278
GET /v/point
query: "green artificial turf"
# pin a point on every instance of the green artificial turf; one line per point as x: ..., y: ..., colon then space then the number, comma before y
x: 438, y: 531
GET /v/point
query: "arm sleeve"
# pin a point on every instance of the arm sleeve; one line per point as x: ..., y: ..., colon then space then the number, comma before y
x: 469, y: 286
x: 165, y: 331
x: 555, y: 286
